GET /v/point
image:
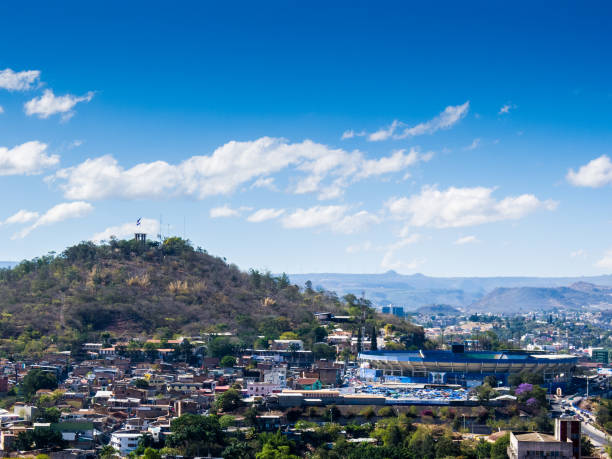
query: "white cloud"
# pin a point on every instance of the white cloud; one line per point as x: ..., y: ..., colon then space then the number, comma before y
x: 384, y: 133
x: 349, y: 134
x: 56, y: 214
x: 596, y: 173
x: 18, y: 81
x: 335, y: 218
x: 317, y: 169
x: 26, y: 159
x: 223, y: 212
x: 460, y: 207
x: 505, y: 109
x: 580, y: 253
x: 445, y: 120
x: 22, y: 216
x: 265, y: 182
x: 49, y: 104
x: 466, y: 240
x: 398, y: 161
x: 475, y: 143
x: 150, y: 226
x: 262, y: 215
x: 1, y: 109
x: 606, y: 261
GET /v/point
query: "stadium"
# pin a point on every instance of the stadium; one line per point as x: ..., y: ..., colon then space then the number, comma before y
x: 466, y: 368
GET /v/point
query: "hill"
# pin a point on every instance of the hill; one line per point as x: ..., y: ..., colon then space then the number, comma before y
x: 524, y: 299
x: 438, y: 309
x: 129, y: 288
x: 415, y: 290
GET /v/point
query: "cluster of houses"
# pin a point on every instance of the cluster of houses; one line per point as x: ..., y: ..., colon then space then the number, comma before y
x: 113, y: 399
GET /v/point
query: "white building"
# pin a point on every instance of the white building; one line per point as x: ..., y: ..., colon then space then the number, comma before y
x: 262, y: 389
x: 276, y: 375
x: 125, y: 441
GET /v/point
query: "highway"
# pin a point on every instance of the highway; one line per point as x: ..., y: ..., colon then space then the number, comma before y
x: 598, y: 438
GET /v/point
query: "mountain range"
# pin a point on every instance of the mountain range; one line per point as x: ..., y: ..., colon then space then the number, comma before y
x: 471, y: 294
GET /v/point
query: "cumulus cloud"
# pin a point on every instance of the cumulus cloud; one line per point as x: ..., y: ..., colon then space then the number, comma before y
x: 335, y: 217
x: 223, y: 212
x: 317, y: 168
x: 466, y: 240
x: 26, y: 159
x: 580, y: 253
x: 56, y: 214
x: 596, y: 173
x: 49, y: 104
x: 22, y: 216
x: 460, y: 207
x: 262, y: 215
x: 1, y: 109
x: 606, y: 261
x: 150, y: 226
x: 18, y: 81
x: 445, y: 120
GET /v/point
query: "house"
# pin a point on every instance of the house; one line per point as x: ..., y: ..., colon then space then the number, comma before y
x: 125, y: 441
x: 276, y: 375
x: 308, y: 384
x: 261, y: 389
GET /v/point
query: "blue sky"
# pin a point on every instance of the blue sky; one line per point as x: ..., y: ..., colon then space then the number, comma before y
x: 446, y: 138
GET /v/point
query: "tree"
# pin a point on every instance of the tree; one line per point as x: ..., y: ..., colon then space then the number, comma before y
x: 228, y: 400
x: 324, y: 351
x: 228, y: 361
x: 220, y: 346
x: 485, y: 392
x: 35, y: 380
x: 151, y: 453
x: 499, y: 448
x: 289, y: 335
x: 141, y: 383
x: 446, y: 447
x: 275, y: 446
x: 108, y: 452
x: 586, y: 446
x: 239, y: 450
x: 194, y: 434
x: 421, y: 444
x: 39, y: 438
x: 373, y: 339
x: 51, y: 414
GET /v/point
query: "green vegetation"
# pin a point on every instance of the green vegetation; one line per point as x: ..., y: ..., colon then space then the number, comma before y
x: 35, y: 380
x: 126, y: 288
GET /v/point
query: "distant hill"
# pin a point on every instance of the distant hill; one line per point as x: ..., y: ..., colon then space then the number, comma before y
x: 415, y: 290
x: 8, y: 264
x: 523, y: 299
x: 438, y: 309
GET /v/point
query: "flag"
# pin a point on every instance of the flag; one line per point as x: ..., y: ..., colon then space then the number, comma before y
x: 138, y: 221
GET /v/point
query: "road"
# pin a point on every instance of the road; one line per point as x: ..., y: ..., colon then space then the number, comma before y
x: 598, y: 438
